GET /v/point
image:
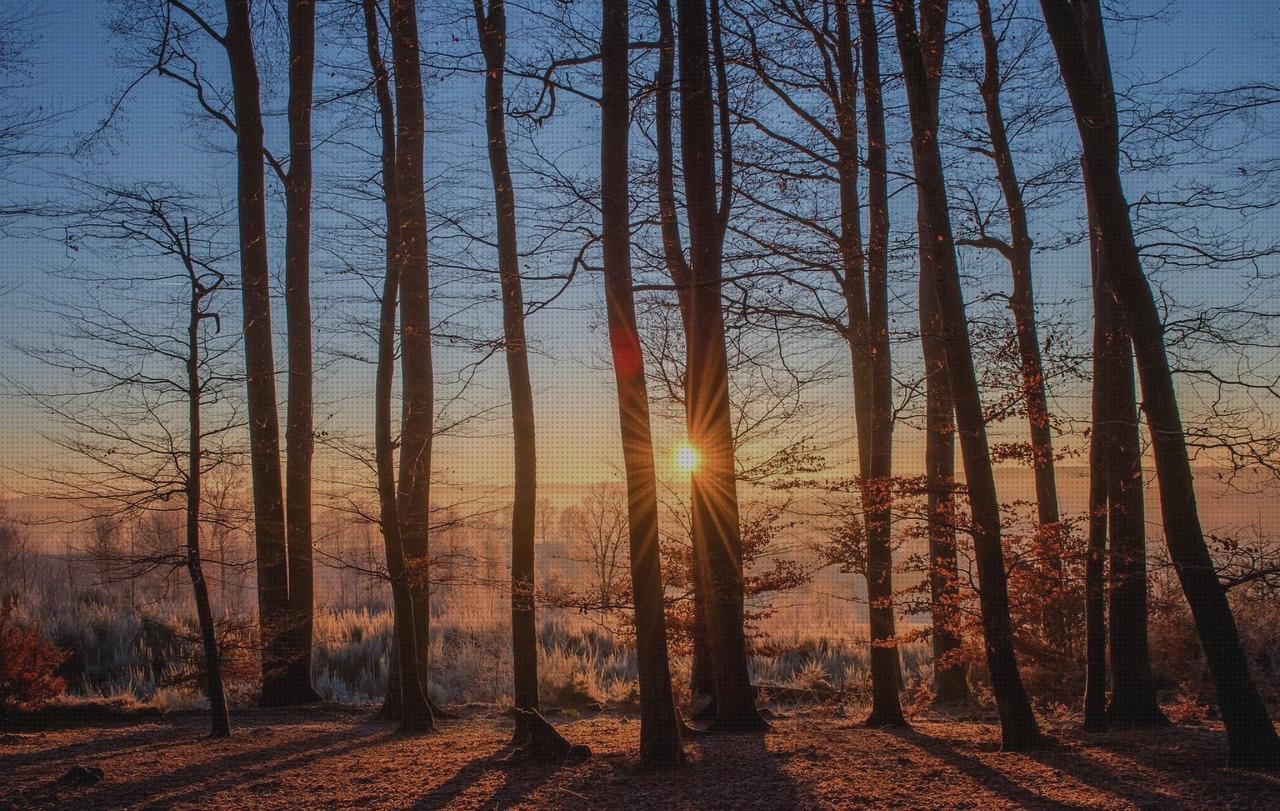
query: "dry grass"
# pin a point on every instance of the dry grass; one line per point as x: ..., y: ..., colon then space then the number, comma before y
x: 339, y: 758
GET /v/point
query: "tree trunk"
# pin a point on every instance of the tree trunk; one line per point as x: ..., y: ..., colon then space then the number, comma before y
x: 384, y: 382
x: 492, y: 30
x: 1019, y: 729
x: 219, y: 718
x: 715, y: 495
x: 260, y: 381
x: 659, y: 725
x: 702, y: 681
x: 1022, y: 305
x: 1076, y: 30
x: 1133, y: 691
x: 1104, y: 333
x: 300, y: 430
x: 951, y: 687
x: 414, y: 487
x: 868, y: 344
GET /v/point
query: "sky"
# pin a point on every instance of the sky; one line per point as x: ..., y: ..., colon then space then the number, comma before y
x: 78, y: 67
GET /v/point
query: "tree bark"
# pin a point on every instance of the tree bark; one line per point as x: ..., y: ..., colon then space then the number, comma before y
x: 414, y: 486
x: 492, y: 30
x: 1104, y: 333
x: 715, y: 482
x: 659, y: 726
x: 300, y: 429
x: 951, y: 686
x: 1076, y: 30
x: 264, y: 427
x: 1022, y: 305
x: 921, y: 53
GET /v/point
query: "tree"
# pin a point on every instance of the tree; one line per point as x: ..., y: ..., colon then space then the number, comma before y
x: 1076, y: 29
x: 300, y: 425
x: 921, y: 52
x: 492, y: 30
x: 659, y: 726
x: 715, y: 508
x: 410, y: 251
x: 1017, y: 252
x: 151, y: 440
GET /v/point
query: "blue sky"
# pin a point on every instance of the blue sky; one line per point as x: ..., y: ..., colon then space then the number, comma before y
x: 79, y: 67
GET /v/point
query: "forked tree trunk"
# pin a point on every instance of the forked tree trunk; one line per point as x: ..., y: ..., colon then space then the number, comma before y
x: 659, y: 725
x: 492, y: 30
x: 414, y: 485
x: 1076, y: 29
x: 1018, y: 726
x: 260, y: 382
x: 1022, y: 305
x: 219, y: 718
x: 715, y: 482
x: 300, y: 429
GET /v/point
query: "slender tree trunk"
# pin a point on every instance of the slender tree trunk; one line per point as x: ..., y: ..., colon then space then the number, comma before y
x: 659, y: 725
x: 870, y: 374
x: 492, y: 30
x: 414, y: 487
x: 715, y: 482
x: 300, y: 431
x: 1105, y: 333
x: 384, y: 382
x: 219, y: 718
x: 1076, y: 30
x: 1022, y: 305
x: 264, y: 425
x: 702, y: 681
x: 1019, y: 729
x: 951, y: 686
x: 1133, y: 690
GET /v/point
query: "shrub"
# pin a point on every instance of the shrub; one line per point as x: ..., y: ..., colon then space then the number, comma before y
x: 27, y: 665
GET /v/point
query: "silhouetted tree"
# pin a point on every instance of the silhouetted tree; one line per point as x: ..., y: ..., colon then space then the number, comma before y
x: 1076, y: 29
x: 921, y: 52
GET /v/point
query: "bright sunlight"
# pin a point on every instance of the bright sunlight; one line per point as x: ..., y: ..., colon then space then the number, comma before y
x: 686, y: 458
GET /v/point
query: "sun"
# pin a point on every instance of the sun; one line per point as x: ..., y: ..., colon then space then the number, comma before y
x: 686, y: 457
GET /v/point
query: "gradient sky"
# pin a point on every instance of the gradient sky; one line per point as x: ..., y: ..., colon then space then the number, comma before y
x: 78, y: 67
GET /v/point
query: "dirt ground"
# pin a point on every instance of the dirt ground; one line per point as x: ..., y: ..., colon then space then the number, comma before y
x: 341, y: 758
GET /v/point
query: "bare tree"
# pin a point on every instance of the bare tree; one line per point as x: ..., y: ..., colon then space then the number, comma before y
x: 1076, y: 29
x: 715, y: 509
x: 492, y: 30
x: 921, y: 50
x: 131, y: 382
x: 659, y: 725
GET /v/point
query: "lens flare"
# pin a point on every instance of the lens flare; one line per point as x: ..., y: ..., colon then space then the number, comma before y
x: 686, y: 458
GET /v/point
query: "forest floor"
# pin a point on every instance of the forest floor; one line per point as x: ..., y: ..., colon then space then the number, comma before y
x: 331, y: 757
